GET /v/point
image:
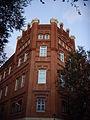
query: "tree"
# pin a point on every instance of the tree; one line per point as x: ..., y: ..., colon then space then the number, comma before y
x: 11, y: 17
x: 74, y: 85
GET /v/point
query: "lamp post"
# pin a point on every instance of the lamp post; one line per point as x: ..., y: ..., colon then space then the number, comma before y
x: 54, y: 116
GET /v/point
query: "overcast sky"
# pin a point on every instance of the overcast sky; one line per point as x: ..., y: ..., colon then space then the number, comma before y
x: 79, y: 25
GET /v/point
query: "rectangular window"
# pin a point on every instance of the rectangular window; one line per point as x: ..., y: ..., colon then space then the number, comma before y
x: 43, y: 51
x: 40, y: 36
x: 41, y: 76
x: 25, y: 57
x: 62, y: 81
x: 47, y: 36
x: 9, y: 72
x: 19, y: 106
x: 13, y: 108
x: 66, y: 47
x: 59, y: 41
x: 4, y: 75
x: 40, y: 105
x: 62, y: 56
x: 16, y: 84
x: 23, y: 80
x: 64, y: 106
x: 6, y: 91
x: 0, y: 77
x: 62, y: 43
x: 19, y: 62
x: 0, y: 94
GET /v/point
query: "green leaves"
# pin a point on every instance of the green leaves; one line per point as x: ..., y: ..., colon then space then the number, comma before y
x: 76, y: 78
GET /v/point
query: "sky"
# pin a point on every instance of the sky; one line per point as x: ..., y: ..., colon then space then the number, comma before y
x: 78, y: 24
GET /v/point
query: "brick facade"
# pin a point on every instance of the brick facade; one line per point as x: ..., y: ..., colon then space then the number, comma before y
x: 57, y: 41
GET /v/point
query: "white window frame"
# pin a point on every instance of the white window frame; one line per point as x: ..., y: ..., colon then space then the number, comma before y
x: 43, y: 51
x: 0, y: 94
x: 59, y: 41
x: 19, y: 61
x: 40, y: 36
x: 6, y: 91
x: 47, y: 36
x: 41, y: 76
x: 25, y: 57
x: 62, y: 56
x: 9, y: 72
x: 66, y: 47
x: 40, y: 105
x: 62, y: 43
x: 16, y: 84
x: 23, y: 80
x: 4, y: 74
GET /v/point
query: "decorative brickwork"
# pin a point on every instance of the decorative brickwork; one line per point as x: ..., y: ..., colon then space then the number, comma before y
x: 21, y: 103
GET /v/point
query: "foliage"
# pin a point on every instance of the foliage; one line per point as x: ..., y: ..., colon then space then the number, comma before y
x: 73, y: 3
x: 11, y: 17
x: 76, y: 77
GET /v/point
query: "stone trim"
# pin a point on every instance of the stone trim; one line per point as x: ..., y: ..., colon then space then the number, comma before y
x: 53, y: 20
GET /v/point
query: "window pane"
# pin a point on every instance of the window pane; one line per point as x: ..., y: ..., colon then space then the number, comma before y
x: 16, y: 85
x: 40, y: 105
x: 42, y: 76
x: 4, y: 74
x: 19, y: 106
x: 62, y: 56
x: 6, y: 91
x: 25, y: 57
x: 62, y: 81
x: 13, y: 108
x: 47, y: 36
x: 43, y: 51
x: 64, y: 106
x: 19, y: 62
x: 9, y: 70
x: 40, y: 36
x: 23, y: 80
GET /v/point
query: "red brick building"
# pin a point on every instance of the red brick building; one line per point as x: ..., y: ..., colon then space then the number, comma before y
x: 28, y: 79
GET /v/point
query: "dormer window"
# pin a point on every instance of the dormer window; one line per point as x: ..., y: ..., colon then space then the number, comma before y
x: 40, y: 36
x: 47, y: 36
